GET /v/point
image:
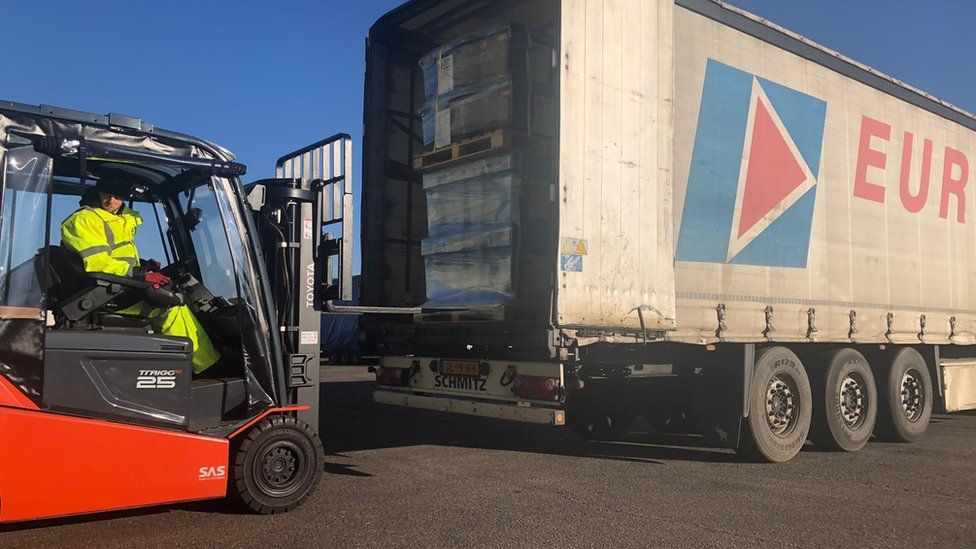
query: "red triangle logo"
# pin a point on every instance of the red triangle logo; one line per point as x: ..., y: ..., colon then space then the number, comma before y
x: 773, y: 172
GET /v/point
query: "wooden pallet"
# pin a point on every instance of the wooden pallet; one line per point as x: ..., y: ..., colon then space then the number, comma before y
x: 481, y: 145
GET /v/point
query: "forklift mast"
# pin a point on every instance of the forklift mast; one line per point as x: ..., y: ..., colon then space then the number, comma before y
x: 298, y: 213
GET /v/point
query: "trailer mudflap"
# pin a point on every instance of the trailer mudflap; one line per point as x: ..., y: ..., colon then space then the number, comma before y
x: 723, y: 399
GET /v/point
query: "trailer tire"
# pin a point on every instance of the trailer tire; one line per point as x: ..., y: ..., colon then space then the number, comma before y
x: 276, y: 465
x: 905, y: 398
x: 846, y: 401
x: 779, y: 408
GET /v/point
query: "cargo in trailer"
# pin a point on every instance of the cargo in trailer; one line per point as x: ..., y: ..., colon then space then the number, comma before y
x: 459, y: 176
x: 726, y: 227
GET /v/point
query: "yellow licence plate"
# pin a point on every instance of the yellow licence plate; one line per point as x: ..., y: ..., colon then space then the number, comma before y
x: 461, y: 367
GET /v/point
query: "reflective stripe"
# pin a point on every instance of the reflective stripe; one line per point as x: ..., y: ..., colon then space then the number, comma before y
x: 119, y: 245
x: 134, y: 261
x: 145, y: 309
x: 128, y: 272
x: 88, y: 252
x: 109, y: 235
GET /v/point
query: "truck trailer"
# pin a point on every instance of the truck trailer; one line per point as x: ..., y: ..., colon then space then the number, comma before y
x: 724, y: 227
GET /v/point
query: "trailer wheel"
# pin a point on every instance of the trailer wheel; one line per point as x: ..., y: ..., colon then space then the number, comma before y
x: 276, y: 465
x: 846, y: 402
x: 779, y: 407
x: 905, y: 398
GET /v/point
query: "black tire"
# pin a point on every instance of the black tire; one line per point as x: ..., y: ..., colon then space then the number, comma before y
x: 276, y: 465
x: 779, y: 408
x: 845, y: 400
x: 595, y: 418
x: 905, y: 397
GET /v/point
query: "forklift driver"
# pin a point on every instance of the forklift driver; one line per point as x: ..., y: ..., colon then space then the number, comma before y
x: 103, y: 233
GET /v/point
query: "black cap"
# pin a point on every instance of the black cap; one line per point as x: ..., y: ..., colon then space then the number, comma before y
x: 119, y: 188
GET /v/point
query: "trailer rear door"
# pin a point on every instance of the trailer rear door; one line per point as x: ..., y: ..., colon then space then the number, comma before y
x: 616, y: 267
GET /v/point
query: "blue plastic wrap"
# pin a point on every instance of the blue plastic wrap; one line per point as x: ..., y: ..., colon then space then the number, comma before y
x: 469, y: 270
x: 475, y: 58
x: 474, y: 196
x: 340, y: 333
x: 481, y: 82
x: 472, y: 208
x: 488, y: 106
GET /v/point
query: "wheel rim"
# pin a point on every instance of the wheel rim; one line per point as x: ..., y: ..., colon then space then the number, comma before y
x: 781, y: 405
x: 280, y: 469
x: 852, y: 400
x: 912, y: 397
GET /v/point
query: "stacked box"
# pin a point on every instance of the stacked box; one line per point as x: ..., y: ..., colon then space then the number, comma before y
x: 501, y: 51
x: 478, y: 228
x: 470, y: 270
x: 472, y: 195
x: 485, y: 81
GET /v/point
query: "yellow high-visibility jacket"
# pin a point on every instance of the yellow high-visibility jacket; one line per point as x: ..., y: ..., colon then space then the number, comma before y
x: 105, y: 241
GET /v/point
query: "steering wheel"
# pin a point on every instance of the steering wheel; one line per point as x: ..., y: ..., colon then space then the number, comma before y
x: 178, y: 266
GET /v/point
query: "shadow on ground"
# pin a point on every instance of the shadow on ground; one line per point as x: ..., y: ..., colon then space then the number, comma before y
x: 351, y: 421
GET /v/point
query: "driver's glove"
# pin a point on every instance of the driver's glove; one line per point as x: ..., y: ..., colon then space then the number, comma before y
x: 156, y: 279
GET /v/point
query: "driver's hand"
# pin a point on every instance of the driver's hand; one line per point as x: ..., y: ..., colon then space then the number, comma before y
x: 157, y: 279
x: 152, y: 265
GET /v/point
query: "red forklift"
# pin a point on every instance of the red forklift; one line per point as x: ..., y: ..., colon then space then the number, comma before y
x: 99, y: 412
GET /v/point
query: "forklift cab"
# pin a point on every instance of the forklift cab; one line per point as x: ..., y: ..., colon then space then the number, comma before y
x: 83, y: 379
x: 98, y: 362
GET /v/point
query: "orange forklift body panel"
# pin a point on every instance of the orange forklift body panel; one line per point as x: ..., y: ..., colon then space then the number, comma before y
x: 64, y: 465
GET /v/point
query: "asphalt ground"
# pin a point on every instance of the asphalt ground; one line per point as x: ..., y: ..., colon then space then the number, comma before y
x: 406, y: 478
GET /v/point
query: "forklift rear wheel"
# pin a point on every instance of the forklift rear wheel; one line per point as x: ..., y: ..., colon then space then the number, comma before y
x: 276, y: 465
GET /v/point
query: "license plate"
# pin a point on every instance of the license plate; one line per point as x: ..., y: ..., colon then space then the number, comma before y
x: 461, y: 368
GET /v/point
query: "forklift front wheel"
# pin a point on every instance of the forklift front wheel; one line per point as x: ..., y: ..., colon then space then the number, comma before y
x: 276, y: 465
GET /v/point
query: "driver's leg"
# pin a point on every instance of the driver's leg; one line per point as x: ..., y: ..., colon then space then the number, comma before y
x: 140, y: 308
x: 180, y: 321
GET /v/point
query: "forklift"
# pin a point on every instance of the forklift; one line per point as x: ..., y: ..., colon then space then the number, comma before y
x: 100, y: 412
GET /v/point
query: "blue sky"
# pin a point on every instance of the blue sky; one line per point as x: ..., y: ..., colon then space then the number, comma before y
x: 265, y: 78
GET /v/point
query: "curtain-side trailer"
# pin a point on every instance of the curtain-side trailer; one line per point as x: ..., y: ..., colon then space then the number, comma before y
x: 729, y: 228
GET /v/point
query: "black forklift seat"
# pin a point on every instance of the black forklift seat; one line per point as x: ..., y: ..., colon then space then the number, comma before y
x: 92, y: 297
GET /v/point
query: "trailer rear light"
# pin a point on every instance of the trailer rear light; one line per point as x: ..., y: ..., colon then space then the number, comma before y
x: 395, y: 377
x: 536, y: 387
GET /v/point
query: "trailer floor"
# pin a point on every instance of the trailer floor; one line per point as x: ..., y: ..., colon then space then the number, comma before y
x: 409, y: 478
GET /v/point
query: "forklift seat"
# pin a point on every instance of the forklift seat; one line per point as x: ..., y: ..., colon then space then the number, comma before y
x: 90, y: 297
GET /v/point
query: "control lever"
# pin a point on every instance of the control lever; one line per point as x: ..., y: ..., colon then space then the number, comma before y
x: 161, y: 297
